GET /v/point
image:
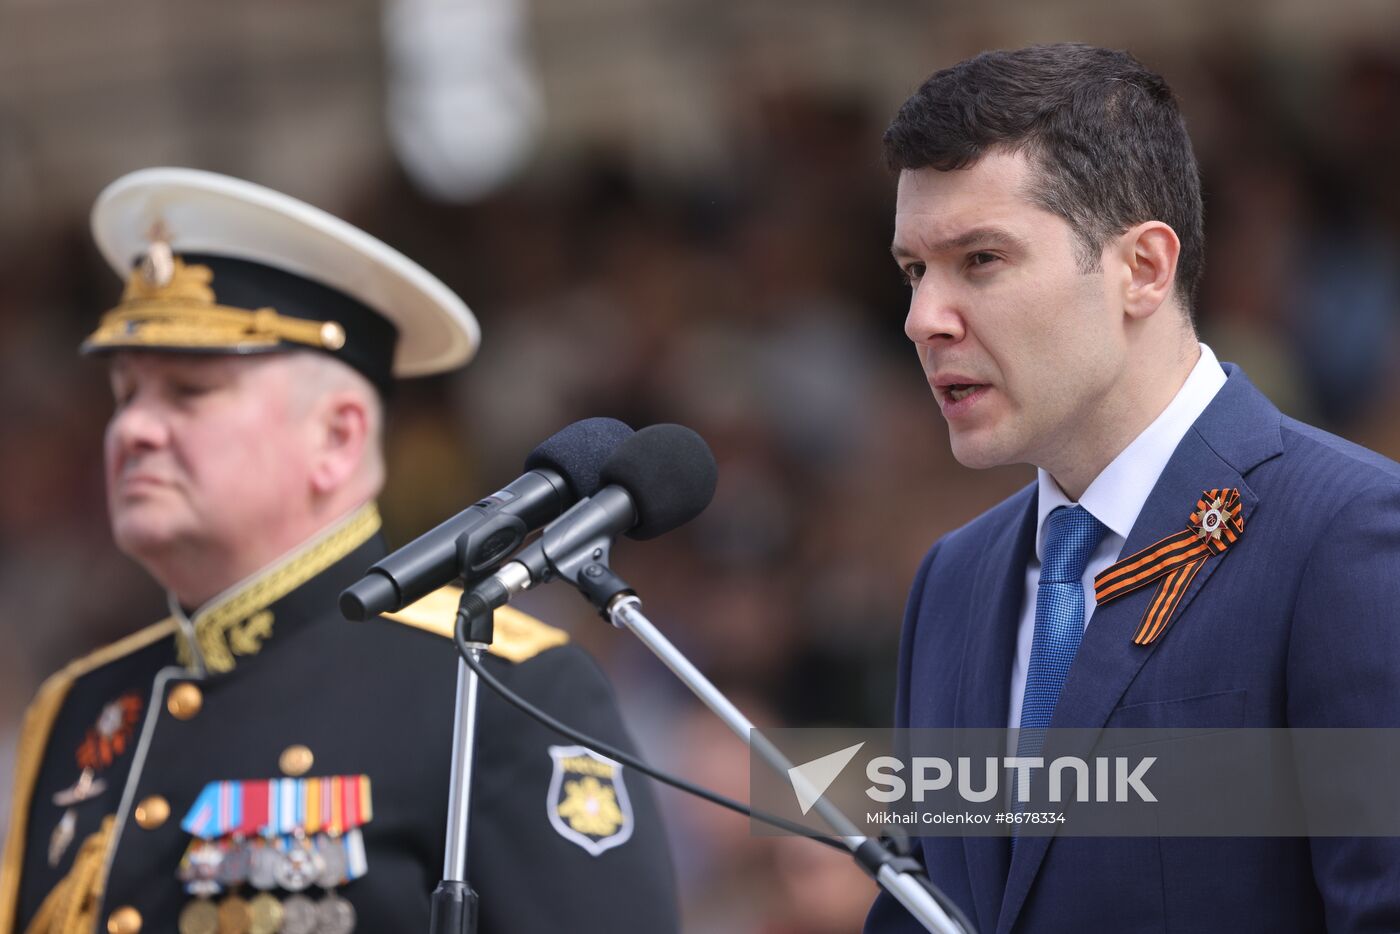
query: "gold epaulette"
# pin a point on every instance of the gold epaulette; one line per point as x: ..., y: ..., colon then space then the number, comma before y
x: 519, y: 637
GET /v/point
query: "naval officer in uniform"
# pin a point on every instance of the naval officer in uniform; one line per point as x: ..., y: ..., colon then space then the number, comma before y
x: 253, y: 762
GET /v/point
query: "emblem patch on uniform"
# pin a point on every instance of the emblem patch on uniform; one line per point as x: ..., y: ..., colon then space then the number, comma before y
x: 588, y: 802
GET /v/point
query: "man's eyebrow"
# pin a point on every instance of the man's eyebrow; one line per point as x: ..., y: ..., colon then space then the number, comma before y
x: 977, y: 236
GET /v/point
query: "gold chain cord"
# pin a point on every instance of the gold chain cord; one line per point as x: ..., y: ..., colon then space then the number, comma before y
x: 183, y: 323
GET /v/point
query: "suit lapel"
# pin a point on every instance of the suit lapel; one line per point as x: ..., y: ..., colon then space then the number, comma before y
x: 984, y: 682
x: 1238, y: 430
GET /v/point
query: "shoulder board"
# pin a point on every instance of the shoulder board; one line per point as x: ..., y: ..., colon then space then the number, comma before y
x: 34, y: 739
x: 109, y: 653
x: 519, y: 637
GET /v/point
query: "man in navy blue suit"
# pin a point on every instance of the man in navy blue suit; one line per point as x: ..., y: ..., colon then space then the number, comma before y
x: 1048, y: 221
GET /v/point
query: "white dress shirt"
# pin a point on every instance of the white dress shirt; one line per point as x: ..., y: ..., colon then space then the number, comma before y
x: 1114, y: 498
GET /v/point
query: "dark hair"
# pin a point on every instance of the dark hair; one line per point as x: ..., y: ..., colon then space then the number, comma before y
x: 1104, y: 131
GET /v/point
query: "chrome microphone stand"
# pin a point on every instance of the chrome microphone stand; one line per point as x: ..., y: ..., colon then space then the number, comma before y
x: 454, y: 902
x: 624, y: 610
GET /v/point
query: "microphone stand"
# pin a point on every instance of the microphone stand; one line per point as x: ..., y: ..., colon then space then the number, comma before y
x: 454, y: 902
x: 578, y: 551
x: 900, y: 876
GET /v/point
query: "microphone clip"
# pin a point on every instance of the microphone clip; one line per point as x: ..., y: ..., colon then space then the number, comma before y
x: 601, y: 585
x: 476, y: 619
x: 481, y: 550
x: 577, y: 548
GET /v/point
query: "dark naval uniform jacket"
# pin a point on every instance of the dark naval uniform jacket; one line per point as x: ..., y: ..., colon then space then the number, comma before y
x: 269, y: 682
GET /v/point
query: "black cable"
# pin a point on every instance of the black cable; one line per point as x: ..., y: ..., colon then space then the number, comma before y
x: 632, y: 762
x: 627, y: 759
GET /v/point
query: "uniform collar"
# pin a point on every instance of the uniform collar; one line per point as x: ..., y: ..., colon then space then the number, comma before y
x: 1117, y: 494
x: 238, y: 621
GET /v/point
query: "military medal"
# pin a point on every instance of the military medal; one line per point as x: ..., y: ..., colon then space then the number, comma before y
x: 265, y: 913
x: 343, y: 861
x: 233, y: 870
x: 299, y: 915
x: 199, y: 869
x: 107, y: 739
x: 199, y: 917
x: 278, y: 833
x: 262, y: 866
x: 335, y: 914
x: 334, y: 866
x: 299, y: 866
x: 235, y: 915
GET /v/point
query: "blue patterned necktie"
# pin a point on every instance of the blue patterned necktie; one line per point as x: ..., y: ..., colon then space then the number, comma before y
x: 1071, y: 535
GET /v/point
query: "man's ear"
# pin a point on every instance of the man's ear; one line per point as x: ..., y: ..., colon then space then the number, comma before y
x: 1148, y: 253
x: 340, y: 434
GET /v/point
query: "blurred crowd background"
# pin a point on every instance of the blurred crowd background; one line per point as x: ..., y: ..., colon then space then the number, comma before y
x: 662, y: 210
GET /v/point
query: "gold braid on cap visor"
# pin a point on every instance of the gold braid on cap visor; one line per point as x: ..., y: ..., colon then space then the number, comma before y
x: 182, y: 312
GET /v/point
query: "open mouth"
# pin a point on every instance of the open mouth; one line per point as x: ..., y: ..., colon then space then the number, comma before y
x: 961, y: 391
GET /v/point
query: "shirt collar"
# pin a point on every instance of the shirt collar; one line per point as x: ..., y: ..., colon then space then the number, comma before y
x: 239, y: 620
x: 1118, y: 493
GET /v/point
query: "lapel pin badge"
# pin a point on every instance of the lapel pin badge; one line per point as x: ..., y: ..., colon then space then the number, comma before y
x: 1216, y: 523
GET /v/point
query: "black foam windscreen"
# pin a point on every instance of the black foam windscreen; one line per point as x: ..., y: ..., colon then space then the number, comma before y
x: 579, y: 451
x: 670, y: 473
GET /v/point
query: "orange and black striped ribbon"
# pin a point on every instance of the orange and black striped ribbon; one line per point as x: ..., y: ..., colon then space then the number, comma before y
x: 1216, y: 524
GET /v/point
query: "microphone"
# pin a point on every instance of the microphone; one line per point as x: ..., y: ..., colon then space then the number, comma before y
x: 657, y: 480
x: 562, y: 469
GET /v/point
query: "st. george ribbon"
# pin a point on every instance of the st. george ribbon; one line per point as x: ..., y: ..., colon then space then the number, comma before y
x: 656, y: 480
x: 468, y: 546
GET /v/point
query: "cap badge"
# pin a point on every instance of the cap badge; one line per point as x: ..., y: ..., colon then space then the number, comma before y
x: 158, y: 265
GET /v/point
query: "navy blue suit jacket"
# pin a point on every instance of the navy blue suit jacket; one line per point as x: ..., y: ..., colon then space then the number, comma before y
x: 1297, y: 624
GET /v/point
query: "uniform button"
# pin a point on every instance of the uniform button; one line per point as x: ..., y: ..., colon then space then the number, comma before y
x: 125, y: 920
x: 184, y: 701
x: 152, y: 812
x: 296, y: 760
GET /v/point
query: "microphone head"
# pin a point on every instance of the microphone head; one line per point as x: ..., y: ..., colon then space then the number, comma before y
x: 579, y: 451
x: 670, y: 474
